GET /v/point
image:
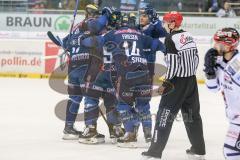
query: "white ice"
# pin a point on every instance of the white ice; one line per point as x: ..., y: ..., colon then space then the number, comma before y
x: 29, y: 129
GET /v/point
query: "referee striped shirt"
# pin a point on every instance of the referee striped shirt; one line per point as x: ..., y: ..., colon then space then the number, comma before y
x: 181, y: 55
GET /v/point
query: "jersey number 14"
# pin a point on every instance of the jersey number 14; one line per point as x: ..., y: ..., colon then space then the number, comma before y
x: 134, y: 52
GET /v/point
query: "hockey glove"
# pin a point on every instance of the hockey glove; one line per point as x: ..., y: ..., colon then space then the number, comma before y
x: 210, y: 63
x: 152, y: 14
x: 154, y: 18
x: 165, y: 88
x: 108, y: 11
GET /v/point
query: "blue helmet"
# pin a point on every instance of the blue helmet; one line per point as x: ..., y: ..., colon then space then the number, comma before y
x: 150, y: 12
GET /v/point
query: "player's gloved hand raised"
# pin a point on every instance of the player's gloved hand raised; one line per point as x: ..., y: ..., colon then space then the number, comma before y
x: 165, y: 87
x: 210, y: 63
x: 152, y: 14
x: 155, y: 18
x: 108, y: 11
x: 112, y: 14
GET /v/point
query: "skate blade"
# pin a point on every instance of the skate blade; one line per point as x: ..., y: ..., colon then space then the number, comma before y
x: 195, y: 157
x: 145, y: 158
x: 113, y: 140
x: 70, y: 137
x: 149, y: 158
x: 127, y: 145
x: 144, y: 145
x: 134, y: 145
x: 91, y: 140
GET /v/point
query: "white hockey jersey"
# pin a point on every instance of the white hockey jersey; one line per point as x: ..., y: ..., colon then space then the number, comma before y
x: 228, y: 82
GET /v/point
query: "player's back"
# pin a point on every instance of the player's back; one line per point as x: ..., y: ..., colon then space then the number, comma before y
x: 128, y: 42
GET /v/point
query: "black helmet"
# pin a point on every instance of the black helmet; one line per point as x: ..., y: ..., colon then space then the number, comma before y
x: 115, y: 19
x: 128, y: 19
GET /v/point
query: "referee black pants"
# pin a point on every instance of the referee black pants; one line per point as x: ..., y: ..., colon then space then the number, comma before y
x: 184, y: 97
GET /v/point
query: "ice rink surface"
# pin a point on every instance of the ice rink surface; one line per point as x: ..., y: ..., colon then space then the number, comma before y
x: 29, y: 129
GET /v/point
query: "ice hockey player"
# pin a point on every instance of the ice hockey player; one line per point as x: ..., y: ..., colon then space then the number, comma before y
x: 105, y: 83
x: 150, y: 23
x: 151, y: 26
x: 182, y: 61
x: 127, y: 45
x: 80, y: 62
x: 222, y: 70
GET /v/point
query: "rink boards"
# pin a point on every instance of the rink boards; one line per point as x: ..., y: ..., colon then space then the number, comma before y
x: 26, y: 58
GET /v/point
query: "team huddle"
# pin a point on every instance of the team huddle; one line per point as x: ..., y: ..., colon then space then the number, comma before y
x: 112, y: 57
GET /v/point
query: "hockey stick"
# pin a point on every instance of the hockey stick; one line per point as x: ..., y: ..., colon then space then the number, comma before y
x: 74, y: 17
x: 50, y: 57
x: 65, y: 54
x: 104, y: 118
x: 55, y: 39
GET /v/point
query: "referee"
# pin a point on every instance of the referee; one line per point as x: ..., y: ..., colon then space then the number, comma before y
x: 182, y: 62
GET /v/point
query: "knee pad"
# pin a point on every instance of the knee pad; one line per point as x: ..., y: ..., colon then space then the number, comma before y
x: 90, y: 108
x: 90, y: 102
x: 91, y: 114
x: 75, y: 99
x: 126, y: 112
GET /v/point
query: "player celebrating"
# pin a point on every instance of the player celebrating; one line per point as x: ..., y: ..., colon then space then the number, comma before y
x: 105, y: 83
x: 150, y: 23
x: 222, y: 70
x: 115, y: 46
x: 127, y: 44
x: 80, y: 68
x: 182, y: 61
x: 151, y: 26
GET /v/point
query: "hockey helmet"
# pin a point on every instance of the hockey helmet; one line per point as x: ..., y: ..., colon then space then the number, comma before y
x: 92, y: 10
x: 128, y: 19
x: 227, y: 36
x: 173, y: 17
x: 149, y: 11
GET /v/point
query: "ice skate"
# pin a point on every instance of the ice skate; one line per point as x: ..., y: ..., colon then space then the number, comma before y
x: 91, y: 136
x: 128, y: 140
x: 147, y: 134
x: 115, y: 131
x: 146, y: 156
x: 192, y: 156
x: 70, y: 133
